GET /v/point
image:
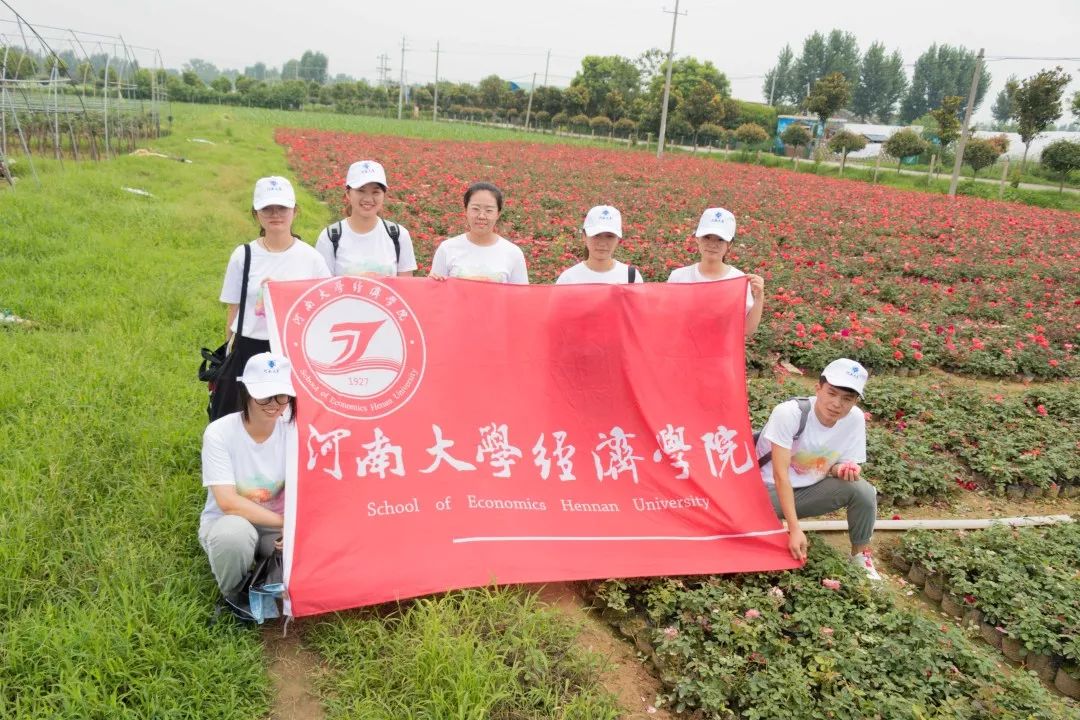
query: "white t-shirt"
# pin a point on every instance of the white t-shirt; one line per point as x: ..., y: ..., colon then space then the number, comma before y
x: 817, y: 448
x: 299, y: 262
x: 231, y: 457
x: 691, y: 274
x: 501, y: 262
x: 580, y: 274
x: 370, y: 253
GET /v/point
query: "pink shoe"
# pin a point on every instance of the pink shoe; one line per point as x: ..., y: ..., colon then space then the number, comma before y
x: 864, y: 561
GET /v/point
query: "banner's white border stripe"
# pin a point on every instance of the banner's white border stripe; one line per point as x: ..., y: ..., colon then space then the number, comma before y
x: 613, y: 538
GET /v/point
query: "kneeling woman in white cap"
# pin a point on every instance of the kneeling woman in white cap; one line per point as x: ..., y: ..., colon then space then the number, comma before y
x: 603, y: 231
x: 277, y: 254
x: 243, y: 470
x: 714, y: 234
x: 364, y: 243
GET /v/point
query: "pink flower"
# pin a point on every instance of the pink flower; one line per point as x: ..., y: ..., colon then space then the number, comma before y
x: 671, y: 632
x: 751, y: 614
x: 1041, y: 409
x: 826, y: 631
x: 831, y: 585
x: 776, y: 593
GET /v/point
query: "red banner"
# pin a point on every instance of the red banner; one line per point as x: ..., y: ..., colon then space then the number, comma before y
x: 457, y: 434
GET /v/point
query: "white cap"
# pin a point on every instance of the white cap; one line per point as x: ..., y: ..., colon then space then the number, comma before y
x: 845, y: 373
x: 717, y: 221
x: 603, y: 218
x: 267, y: 375
x: 273, y: 191
x: 363, y: 172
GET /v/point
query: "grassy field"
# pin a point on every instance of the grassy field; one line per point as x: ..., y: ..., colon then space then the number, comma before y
x: 107, y: 595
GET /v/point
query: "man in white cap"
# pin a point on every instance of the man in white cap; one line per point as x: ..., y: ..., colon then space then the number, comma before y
x: 810, y: 450
x: 603, y: 231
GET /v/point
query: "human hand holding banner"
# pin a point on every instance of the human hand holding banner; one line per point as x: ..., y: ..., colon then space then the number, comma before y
x: 456, y: 434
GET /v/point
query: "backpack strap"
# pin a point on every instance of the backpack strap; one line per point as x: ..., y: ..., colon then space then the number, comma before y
x: 334, y: 233
x: 804, y: 414
x: 243, y: 294
x: 631, y: 274
x: 394, y: 231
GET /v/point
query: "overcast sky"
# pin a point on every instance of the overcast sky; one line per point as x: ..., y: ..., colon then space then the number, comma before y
x: 511, y: 38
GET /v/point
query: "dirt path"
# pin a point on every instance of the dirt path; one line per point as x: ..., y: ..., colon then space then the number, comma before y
x: 625, y: 675
x: 292, y: 669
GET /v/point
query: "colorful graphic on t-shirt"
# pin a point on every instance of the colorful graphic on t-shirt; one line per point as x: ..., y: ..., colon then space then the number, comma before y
x: 260, y: 307
x: 370, y: 268
x: 264, y: 491
x: 813, y: 462
x: 478, y: 272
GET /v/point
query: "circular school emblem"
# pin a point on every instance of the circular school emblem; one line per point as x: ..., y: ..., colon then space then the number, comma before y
x: 356, y: 347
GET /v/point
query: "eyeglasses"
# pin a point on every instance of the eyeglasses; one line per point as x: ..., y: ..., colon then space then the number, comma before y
x: 483, y: 211
x: 271, y: 210
x: 281, y: 399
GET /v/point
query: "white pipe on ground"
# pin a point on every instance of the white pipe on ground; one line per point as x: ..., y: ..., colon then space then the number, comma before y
x: 938, y: 524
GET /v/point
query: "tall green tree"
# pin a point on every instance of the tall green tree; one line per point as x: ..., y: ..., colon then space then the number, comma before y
x: 947, y: 120
x: 941, y: 71
x: 1038, y: 104
x: 698, y: 107
x: 494, y: 92
x: 821, y: 56
x: 881, y: 84
x: 601, y: 75
x: 575, y: 99
x: 1076, y: 104
x: 786, y: 87
x: 686, y: 73
x: 207, y: 71
x: 830, y: 93
x: 313, y: 66
x: 1003, y: 104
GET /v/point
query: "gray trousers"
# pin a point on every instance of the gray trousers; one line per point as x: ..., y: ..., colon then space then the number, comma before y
x: 832, y: 493
x: 232, y: 544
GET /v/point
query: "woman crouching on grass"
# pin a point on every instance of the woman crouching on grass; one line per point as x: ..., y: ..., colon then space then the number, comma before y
x: 714, y: 234
x: 277, y: 254
x: 243, y: 471
x: 481, y: 253
x: 603, y: 231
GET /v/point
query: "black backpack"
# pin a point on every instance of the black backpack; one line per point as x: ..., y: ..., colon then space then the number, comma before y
x: 804, y: 413
x: 631, y: 274
x: 392, y: 229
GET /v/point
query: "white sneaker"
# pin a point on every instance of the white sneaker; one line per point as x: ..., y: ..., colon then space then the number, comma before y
x: 864, y: 561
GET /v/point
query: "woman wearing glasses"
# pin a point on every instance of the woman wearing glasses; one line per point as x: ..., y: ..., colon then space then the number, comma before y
x: 243, y: 471
x: 277, y: 254
x: 481, y: 253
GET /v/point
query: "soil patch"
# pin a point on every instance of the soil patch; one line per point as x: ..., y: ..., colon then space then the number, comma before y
x: 624, y: 674
x: 291, y: 668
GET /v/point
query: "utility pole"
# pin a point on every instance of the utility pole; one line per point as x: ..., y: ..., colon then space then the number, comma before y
x: 401, y: 82
x: 435, y: 105
x: 772, y: 88
x: 547, y: 63
x: 667, y: 83
x: 383, y: 69
x: 959, y: 162
x: 528, y: 108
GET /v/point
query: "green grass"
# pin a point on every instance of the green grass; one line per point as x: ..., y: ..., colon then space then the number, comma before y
x: 472, y: 655
x: 106, y: 594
